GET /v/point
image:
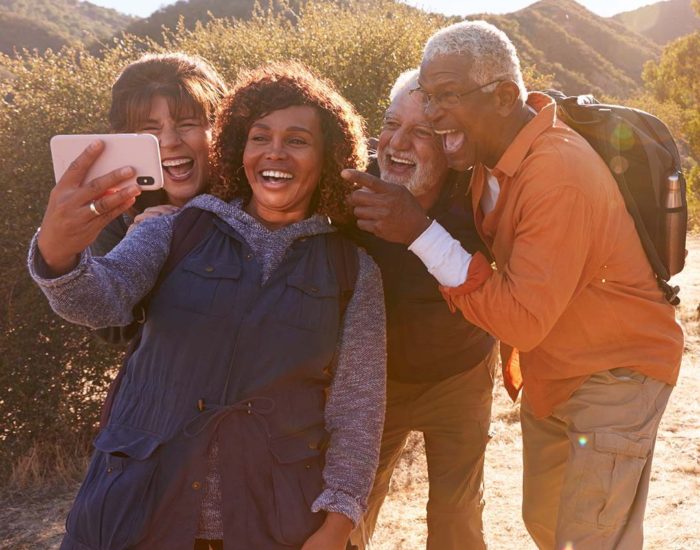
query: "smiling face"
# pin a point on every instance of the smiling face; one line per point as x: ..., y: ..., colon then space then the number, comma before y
x: 184, y: 149
x: 469, y: 131
x: 409, y: 153
x: 283, y: 159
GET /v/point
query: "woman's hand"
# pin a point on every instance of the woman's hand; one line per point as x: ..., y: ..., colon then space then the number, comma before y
x: 79, y: 210
x: 153, y: 212
x: 332, y: 535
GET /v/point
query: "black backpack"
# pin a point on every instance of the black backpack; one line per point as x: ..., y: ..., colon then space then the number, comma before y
x: 643, y: 158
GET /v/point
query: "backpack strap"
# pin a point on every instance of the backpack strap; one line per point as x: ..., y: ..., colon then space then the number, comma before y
x: 190, y: 228
x: 345, y: 263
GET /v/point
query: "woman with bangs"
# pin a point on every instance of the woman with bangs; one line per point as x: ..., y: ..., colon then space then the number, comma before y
x: 251, y: 412
x: 173, y: 96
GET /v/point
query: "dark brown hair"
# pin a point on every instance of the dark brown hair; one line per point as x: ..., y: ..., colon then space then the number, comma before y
x: 277, y: 86
x: 189, y: 84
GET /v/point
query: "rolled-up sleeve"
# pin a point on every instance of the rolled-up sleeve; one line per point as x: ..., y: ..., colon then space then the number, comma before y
x: 354, y: 411
x: 102, y: 291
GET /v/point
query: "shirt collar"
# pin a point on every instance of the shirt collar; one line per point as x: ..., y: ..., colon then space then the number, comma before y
x: 515, y: 154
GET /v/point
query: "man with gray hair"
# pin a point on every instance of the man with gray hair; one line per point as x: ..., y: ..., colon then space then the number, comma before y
x: 584, y: 328
x: 440, y: 366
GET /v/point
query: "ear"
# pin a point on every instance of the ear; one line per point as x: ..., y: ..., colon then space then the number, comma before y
x: 507, y: 96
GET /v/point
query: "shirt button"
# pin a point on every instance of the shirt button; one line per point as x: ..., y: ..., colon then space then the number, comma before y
x: 308, y: 466
x: 209, y: 268
x: 313, y: 446
x: 249, y: 256
x: 110, y: 470
x: 196, y: 485
x: 313, y: 289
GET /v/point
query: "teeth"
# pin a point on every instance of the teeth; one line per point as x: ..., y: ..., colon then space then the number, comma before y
x: 175, y: 162
x: 443, y: 132
x: 402, y: 161
x: 276, y: 174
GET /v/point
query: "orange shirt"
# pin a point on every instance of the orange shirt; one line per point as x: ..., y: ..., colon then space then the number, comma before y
x: 574, y: 292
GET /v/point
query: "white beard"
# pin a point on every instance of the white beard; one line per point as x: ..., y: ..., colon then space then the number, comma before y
x: 418, y: 183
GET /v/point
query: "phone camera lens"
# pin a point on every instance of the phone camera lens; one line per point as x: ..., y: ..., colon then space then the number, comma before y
x: 145, y: 180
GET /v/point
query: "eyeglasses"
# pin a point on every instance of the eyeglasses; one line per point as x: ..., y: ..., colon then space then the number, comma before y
x: 446, y: 100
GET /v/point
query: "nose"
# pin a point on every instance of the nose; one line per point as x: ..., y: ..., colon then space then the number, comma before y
x: 168, y: 137
x: 400, y: 140
x: 431, y: 111
x: 276, y: 149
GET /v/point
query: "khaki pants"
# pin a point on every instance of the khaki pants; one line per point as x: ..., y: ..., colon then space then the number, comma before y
x: 587, y: 465
x: 454, y: 416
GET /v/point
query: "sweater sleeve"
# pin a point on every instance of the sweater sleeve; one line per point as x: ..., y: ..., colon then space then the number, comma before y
x: 102, y: 291
x: 521, y: 302
x: 354, y: 411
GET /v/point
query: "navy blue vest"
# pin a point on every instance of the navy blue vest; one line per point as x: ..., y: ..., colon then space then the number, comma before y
x: 220, y: 356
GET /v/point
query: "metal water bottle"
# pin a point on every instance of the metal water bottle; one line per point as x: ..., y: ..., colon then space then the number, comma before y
x: 675, y: 225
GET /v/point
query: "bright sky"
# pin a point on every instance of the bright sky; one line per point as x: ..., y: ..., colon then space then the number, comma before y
x: 143, y: 8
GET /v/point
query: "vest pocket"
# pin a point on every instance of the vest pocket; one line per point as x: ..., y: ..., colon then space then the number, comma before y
x: 304, y: 303
x: 117, y: 497
x: 207, y: 287
x: 296, y: 481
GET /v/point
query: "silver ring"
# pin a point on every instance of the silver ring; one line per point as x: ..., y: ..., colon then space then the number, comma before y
x: 94, y: 209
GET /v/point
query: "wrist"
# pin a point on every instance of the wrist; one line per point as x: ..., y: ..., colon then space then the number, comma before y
x: 417, y: 229
x: 338, y: 525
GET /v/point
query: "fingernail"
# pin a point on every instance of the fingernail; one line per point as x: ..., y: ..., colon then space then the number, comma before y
x: 94, y: 145
x: 125, y: 172
x: 134, y: 191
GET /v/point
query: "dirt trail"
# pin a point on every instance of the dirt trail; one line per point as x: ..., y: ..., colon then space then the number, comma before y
x: 35, y: 519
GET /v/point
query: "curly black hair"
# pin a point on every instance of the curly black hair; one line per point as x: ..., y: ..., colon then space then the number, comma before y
x: 277, y: 86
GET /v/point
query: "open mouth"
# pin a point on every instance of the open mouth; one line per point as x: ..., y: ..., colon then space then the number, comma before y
x: 276, y: 176
x: 452, y: 140
x: 180, y: 168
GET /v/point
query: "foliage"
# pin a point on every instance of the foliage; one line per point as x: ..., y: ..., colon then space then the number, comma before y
x: 674, y: 82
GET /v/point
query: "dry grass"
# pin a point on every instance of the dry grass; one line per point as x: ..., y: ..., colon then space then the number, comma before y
x: 34, y: 518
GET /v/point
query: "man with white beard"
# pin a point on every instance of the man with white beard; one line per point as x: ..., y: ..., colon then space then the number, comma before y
x: 440, y: 367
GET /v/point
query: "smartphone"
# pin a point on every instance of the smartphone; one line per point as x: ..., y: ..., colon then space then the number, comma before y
x: 140, y: 151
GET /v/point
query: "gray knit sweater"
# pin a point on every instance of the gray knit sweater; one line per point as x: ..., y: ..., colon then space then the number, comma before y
x: 101, y: 291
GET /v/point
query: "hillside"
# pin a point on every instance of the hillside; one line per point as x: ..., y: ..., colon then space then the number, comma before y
x: 663, y: 21
x: 45, y: 24
x: 192, y: 11
x: 584, y: 52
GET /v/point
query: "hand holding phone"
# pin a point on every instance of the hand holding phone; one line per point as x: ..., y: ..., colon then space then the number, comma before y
x: 79, y: 208
x: 141, y: 151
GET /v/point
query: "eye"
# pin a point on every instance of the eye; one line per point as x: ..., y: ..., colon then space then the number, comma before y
x: 423, y: 133
x: 257, y: 138
x: 390, y: 125
x: 297, y: 141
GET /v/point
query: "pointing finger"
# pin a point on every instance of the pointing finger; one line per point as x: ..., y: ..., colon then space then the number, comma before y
x: 367, y: 180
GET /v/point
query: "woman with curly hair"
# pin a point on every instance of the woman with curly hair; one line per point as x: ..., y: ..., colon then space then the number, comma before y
x: 250, y: 414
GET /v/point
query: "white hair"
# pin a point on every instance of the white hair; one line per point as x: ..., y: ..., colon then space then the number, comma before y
x: 492, y: 54
x: 406, y: 81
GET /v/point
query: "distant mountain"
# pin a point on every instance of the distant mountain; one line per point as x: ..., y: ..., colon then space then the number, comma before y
x: 663, y: 21
x: 583, y: 51
x: 192, y: 11
x: 45, y: 24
